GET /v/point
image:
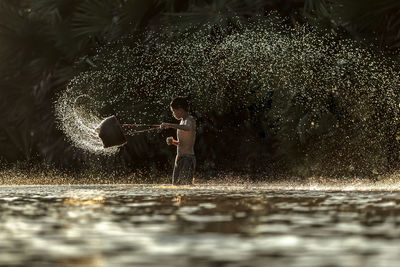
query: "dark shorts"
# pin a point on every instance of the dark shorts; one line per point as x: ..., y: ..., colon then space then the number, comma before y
x: 184, y: 169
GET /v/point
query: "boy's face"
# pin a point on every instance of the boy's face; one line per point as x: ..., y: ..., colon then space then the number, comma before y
x: 178, y: 113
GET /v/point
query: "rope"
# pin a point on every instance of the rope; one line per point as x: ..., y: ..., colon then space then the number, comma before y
x: 145, y: 130
x: 140, y: 125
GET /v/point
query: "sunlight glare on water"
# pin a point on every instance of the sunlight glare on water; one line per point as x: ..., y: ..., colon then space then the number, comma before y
x: 219, y: 225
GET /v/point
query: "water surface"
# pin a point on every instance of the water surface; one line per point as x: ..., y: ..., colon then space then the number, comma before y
x: 149, y: 225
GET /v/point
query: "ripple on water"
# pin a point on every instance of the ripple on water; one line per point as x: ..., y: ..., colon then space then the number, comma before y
x: 208, y: 227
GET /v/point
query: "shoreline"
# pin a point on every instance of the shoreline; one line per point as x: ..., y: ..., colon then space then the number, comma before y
x: 390, y: 182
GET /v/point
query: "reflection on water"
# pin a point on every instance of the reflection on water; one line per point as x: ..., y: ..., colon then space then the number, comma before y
x: 201, y: 226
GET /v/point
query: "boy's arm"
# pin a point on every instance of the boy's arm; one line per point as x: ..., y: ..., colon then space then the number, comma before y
x: 185, y: 127
x: 175, y: 126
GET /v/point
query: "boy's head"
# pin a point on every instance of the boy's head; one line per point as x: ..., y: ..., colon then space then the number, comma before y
x: 179, y: 107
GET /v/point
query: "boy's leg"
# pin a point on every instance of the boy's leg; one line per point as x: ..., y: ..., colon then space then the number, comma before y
x: 175, y: 173
x: 190, y: 165
x: 187, y: 169
x: 184, y: 169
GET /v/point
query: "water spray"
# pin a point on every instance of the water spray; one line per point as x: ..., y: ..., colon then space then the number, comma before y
x: 323, y: 98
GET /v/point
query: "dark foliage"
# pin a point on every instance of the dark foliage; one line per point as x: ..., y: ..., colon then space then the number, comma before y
x: 45, y: 43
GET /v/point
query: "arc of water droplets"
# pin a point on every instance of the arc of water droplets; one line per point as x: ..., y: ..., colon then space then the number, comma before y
x: 79, y: 123
x: 301, y: 79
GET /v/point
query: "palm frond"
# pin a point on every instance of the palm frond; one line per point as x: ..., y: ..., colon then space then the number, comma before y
x: 63, y: 8
x: 135, y: 13
x: 175, y: 6
x: 367, y: 18
x: 218, y: 12
x: 16, y: 125
x: 96, y: 18
x: 317, y: 7
x: 23, y: 43
x: 381, y: 19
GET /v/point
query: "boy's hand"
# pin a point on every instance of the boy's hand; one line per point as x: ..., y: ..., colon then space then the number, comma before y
x: 164, y: 126
x: 169, y: 140
x: 172, y: 141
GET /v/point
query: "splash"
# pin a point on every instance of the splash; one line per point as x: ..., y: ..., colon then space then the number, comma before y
x: 326, y: 99
x: 79, y: 120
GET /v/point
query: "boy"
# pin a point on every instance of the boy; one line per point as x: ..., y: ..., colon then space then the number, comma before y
x: 185, y: 161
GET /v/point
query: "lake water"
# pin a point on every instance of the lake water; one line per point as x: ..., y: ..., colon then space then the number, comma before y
x: 162, y: 225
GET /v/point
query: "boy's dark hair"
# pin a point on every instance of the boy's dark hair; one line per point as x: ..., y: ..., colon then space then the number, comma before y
x: 180, y: 102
